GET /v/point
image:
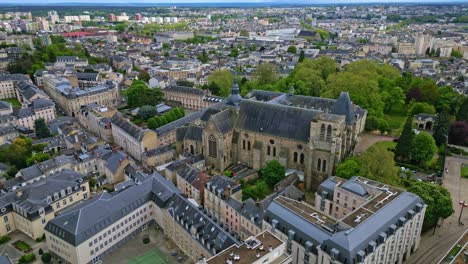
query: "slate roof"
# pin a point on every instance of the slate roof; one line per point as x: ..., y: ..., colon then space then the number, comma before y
x: 34, y: 196
x: 158, y: 151
x: 14, y: 77
x: 261, y: 95
x: 185, y: 90
x: 41, y: 103
x: 276, y: 120
x: 122, y: 122
x: 113, y: 159
x: 354, y: 187
x: 224, y: 120
x: 4, y: 105
x: 344, y: 106
x: 7, y: 130
x: 79, y: 223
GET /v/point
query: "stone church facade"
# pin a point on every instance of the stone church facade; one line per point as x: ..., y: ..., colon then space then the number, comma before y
x: 309, y: 134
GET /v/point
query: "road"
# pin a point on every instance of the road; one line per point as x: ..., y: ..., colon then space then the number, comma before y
x: 433, y: 247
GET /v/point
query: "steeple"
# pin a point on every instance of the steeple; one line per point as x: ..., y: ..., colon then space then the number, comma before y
x: 234, y: 98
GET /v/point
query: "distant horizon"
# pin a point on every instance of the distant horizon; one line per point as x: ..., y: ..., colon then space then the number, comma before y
x: 205, y: 2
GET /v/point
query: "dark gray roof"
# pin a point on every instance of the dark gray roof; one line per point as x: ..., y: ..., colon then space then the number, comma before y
x: 159, y: 150
x: 194, y: 133
x: 126, y: 125
x: 354, y: 187
x: 327, y: 186
x: 261, y: 95
x: 344, y: 106
x: 113, y: 160
x: 5, y: 260
x: 7, y: 130
x: 42, y: 103
x: 4, y: 105
x: 234, y: 98
x: 224, y: 120
x: 14, y: 77
x: 78, y: 224
x: 184, y: 89
x: 276, y: 120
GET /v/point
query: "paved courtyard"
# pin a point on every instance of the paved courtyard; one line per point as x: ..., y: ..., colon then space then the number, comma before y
x: 14, y: 254
x: 158, y: 251
x: 434, y: 247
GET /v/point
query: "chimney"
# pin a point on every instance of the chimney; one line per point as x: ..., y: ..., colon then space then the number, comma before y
x: 227, y: 192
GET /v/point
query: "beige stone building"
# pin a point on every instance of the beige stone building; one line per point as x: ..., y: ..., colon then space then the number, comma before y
x: 97, y: 119
x: 40, y: 108
x: 92, y: 230
x: 131, y: 138
x: 28, y: 208
x: 7, y: 134
x: 190, y: 98
x: 72, y: 99
x: 158, y: 156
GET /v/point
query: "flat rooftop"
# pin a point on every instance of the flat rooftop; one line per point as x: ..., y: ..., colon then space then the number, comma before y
x: 308, y: 213
x: 247, y: 252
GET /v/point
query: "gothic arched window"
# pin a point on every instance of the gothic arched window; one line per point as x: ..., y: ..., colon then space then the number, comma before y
x: 302, y: 158
x: 295, y: 157
x: 329, y: 132
x: 322, y: 132
x: 319, y: 165
x: 324, y: 166
x: 212, y: 149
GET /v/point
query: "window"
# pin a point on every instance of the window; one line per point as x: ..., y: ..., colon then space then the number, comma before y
x: 302, y: 158
x: 5, y: 218
x: 324, y: 166
x: 268, y: 150
x: 329, y: 131
x: 243, y: 144
x: 319, y: 164
x: 295, y: 157
x: 274, y: 151
x: 322, y: 132
x: 8, y: 228
x: 43, y: 220
x: 248, y: 145
x: 57, y: 205
x: 212, y: 146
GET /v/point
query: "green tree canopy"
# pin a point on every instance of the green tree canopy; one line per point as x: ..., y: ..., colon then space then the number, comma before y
x: 139, y: 95
x: 292, y: 49
x: 441, y: 128
x: 348, y: 168
x: 147, y: 111
x: 273, y: 172
x: 40, y: 128
x: 222, y: 79
x: 421, y: 107
x: 144, y: 76
x: 403, y: 147
x: 266, y: 73
x: 378, y: 163
x: 423, y: 147
x: 438, y: 201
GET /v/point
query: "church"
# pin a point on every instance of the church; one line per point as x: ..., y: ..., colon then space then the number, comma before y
x: 308, y: 134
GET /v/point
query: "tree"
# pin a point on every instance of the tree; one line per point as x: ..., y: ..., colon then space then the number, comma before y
x: 462, y: 114
x: 139, y: 95
x: 348, y: 168
x: 458, y: 133
x: 40, y: 128
x: 423, y: 148
x: 203, y: 57
x: 121, y: 28
x: 441, y: 127
x: 234, y: 53
x: 391, y: 96
x: 36, y: 158
x: 266, y: 73
x: 144, y: 76
x: 153, y: 123
x: 273, y: 172
x: 421, y: 108
x: 222, y: 79
x: 405, y: 142
x: 414, y: 95
x: 147, y: 111
x: 456, y: 54
x: 46, y: 257
x: 244, y: 33
x: 301, y: 56
x: 292, y: 49
x: 438, y: 201
x: 378, y: 163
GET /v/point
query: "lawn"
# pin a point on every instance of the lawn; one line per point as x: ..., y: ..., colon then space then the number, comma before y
x: 13, y: 101
x: 396, y: 118
x: 464, y: 171
x: 21, y: 245
x: 153, y: 256
x: 385, y: 145
x: 453, y: 252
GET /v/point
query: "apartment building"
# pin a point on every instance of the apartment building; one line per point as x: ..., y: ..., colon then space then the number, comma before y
x: 8, y: 84
x: 158, y: 156
x: 72, y: 99
x: 90, y: 231
x: 190, y: 98
x: 132, y: 138
x: 7, y: 134
x: 40, y: 108
x: 188, y: 179
x: 384, y: 227
x: 65, y: 61
x: 28, y: 207
x: 97, y: 119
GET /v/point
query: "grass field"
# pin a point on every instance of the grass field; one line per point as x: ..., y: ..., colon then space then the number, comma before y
x: 13, y: 101
x: 464, y: 170
x: 385, y: 145
x: 151, y: 257
x: 396, y: 118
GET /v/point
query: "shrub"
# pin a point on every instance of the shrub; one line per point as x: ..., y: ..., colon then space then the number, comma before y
x: 46, y: 258
x: 40, y: 239
x: 146, y: 240
x: 4, y: 239
x: 28, y: 258
x: 41, y: 251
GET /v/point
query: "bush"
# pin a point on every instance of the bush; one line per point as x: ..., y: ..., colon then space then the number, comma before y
x: 46, y: 258
x: 146, y: 240
x: 28, y: 258
x: 41, y: 251
x: 4, y: 239
x: 40, y: 239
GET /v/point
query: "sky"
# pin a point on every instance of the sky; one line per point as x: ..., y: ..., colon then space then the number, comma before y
x: 224, y: 1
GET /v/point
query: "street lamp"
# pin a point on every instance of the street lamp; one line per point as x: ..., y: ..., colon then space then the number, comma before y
x: 463, y: 205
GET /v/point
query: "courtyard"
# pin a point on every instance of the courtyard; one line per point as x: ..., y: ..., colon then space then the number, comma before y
x: 8, y: 249
x: 160, y: 250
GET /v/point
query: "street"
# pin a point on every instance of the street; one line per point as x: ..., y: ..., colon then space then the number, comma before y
x: 433, y: 247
